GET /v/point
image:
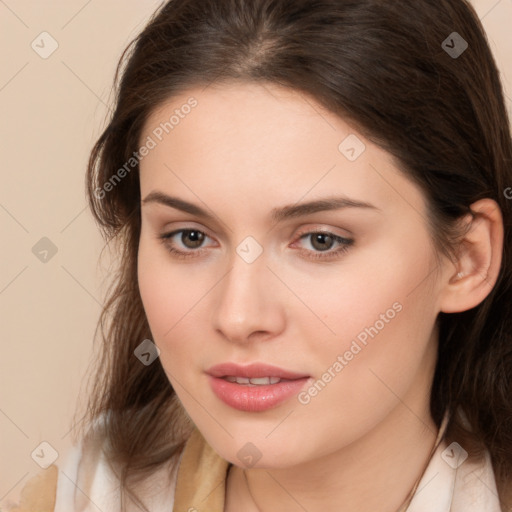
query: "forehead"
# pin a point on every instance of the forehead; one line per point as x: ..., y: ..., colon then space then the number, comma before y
x: 249, y: 139
x: 243, y: 116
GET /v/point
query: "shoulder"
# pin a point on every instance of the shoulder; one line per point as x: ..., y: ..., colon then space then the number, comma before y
x: 85, y: 477
x: 82, y: 476
x: 39, y: 493
x: 88, y: 481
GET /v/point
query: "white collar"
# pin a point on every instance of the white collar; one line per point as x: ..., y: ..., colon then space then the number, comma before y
x: 444, y: 487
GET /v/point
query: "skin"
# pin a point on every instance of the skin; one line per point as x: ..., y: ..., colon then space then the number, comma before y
x: 363, y: 441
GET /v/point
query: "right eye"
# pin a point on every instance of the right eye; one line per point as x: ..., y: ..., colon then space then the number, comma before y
x: 191, y: 239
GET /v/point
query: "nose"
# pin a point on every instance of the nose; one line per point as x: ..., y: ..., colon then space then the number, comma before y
x: 247, y: 302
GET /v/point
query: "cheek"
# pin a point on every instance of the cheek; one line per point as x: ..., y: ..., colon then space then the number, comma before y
x: 367, y: 295
x: 163, y: 292
x: 174, y: 297
x: 378, y: 314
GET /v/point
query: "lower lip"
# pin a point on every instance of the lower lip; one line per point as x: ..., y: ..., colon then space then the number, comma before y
x: 255, y: 398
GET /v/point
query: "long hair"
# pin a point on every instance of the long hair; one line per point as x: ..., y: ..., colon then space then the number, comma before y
x: 417, y: 79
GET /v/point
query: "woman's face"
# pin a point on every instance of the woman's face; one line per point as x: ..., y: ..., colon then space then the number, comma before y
x: 344, y: 295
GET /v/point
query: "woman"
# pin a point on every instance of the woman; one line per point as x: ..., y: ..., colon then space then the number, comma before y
x: 313, y: 303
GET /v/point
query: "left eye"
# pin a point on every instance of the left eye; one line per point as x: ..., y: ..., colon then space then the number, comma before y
x: 322, y: 242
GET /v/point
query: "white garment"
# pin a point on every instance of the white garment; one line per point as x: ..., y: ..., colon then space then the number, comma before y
x: 89, y: 485
x: 86, y: 483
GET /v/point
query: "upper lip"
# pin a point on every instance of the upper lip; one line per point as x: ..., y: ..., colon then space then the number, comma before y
x: 253, y: 370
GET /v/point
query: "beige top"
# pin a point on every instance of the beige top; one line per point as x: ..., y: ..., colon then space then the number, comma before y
x: 195, y: 480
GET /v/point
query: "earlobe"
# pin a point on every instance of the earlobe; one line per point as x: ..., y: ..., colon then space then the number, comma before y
x: 478, y: 260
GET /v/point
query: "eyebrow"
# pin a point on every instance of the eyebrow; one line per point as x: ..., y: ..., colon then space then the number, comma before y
x: 277, y: 214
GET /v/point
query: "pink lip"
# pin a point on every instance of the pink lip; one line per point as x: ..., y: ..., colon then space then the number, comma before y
x: 254, y: 398
x: 253, y: 370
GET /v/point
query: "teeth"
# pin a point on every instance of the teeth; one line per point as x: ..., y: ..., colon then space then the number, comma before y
x: 265, y: 380
x: 256, y: 381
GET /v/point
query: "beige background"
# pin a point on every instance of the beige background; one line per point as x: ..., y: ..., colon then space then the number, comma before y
x: 52, y: 111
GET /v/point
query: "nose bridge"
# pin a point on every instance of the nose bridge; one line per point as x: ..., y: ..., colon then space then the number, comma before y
x: 246, y: 299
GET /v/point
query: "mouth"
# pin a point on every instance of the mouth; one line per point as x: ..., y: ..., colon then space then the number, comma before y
x: 256, y: 387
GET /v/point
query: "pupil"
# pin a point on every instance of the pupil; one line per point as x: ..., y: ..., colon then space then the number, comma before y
x: 321, y: 238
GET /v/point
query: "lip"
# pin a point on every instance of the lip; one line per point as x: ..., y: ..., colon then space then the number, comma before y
x: 254, y: 398
x: 253, y: 370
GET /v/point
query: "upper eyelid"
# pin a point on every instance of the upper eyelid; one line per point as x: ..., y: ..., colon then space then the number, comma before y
x: 315, y: 229
x: 188, y: 227
x: 327, y: 231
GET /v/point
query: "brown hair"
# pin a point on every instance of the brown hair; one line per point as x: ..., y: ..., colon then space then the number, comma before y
x: 382, y: 66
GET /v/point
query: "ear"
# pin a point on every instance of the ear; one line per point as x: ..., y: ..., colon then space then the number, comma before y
x: 478, y: 259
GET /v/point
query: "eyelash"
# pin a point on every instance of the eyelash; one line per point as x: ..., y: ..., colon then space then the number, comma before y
x: 346, y: 243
